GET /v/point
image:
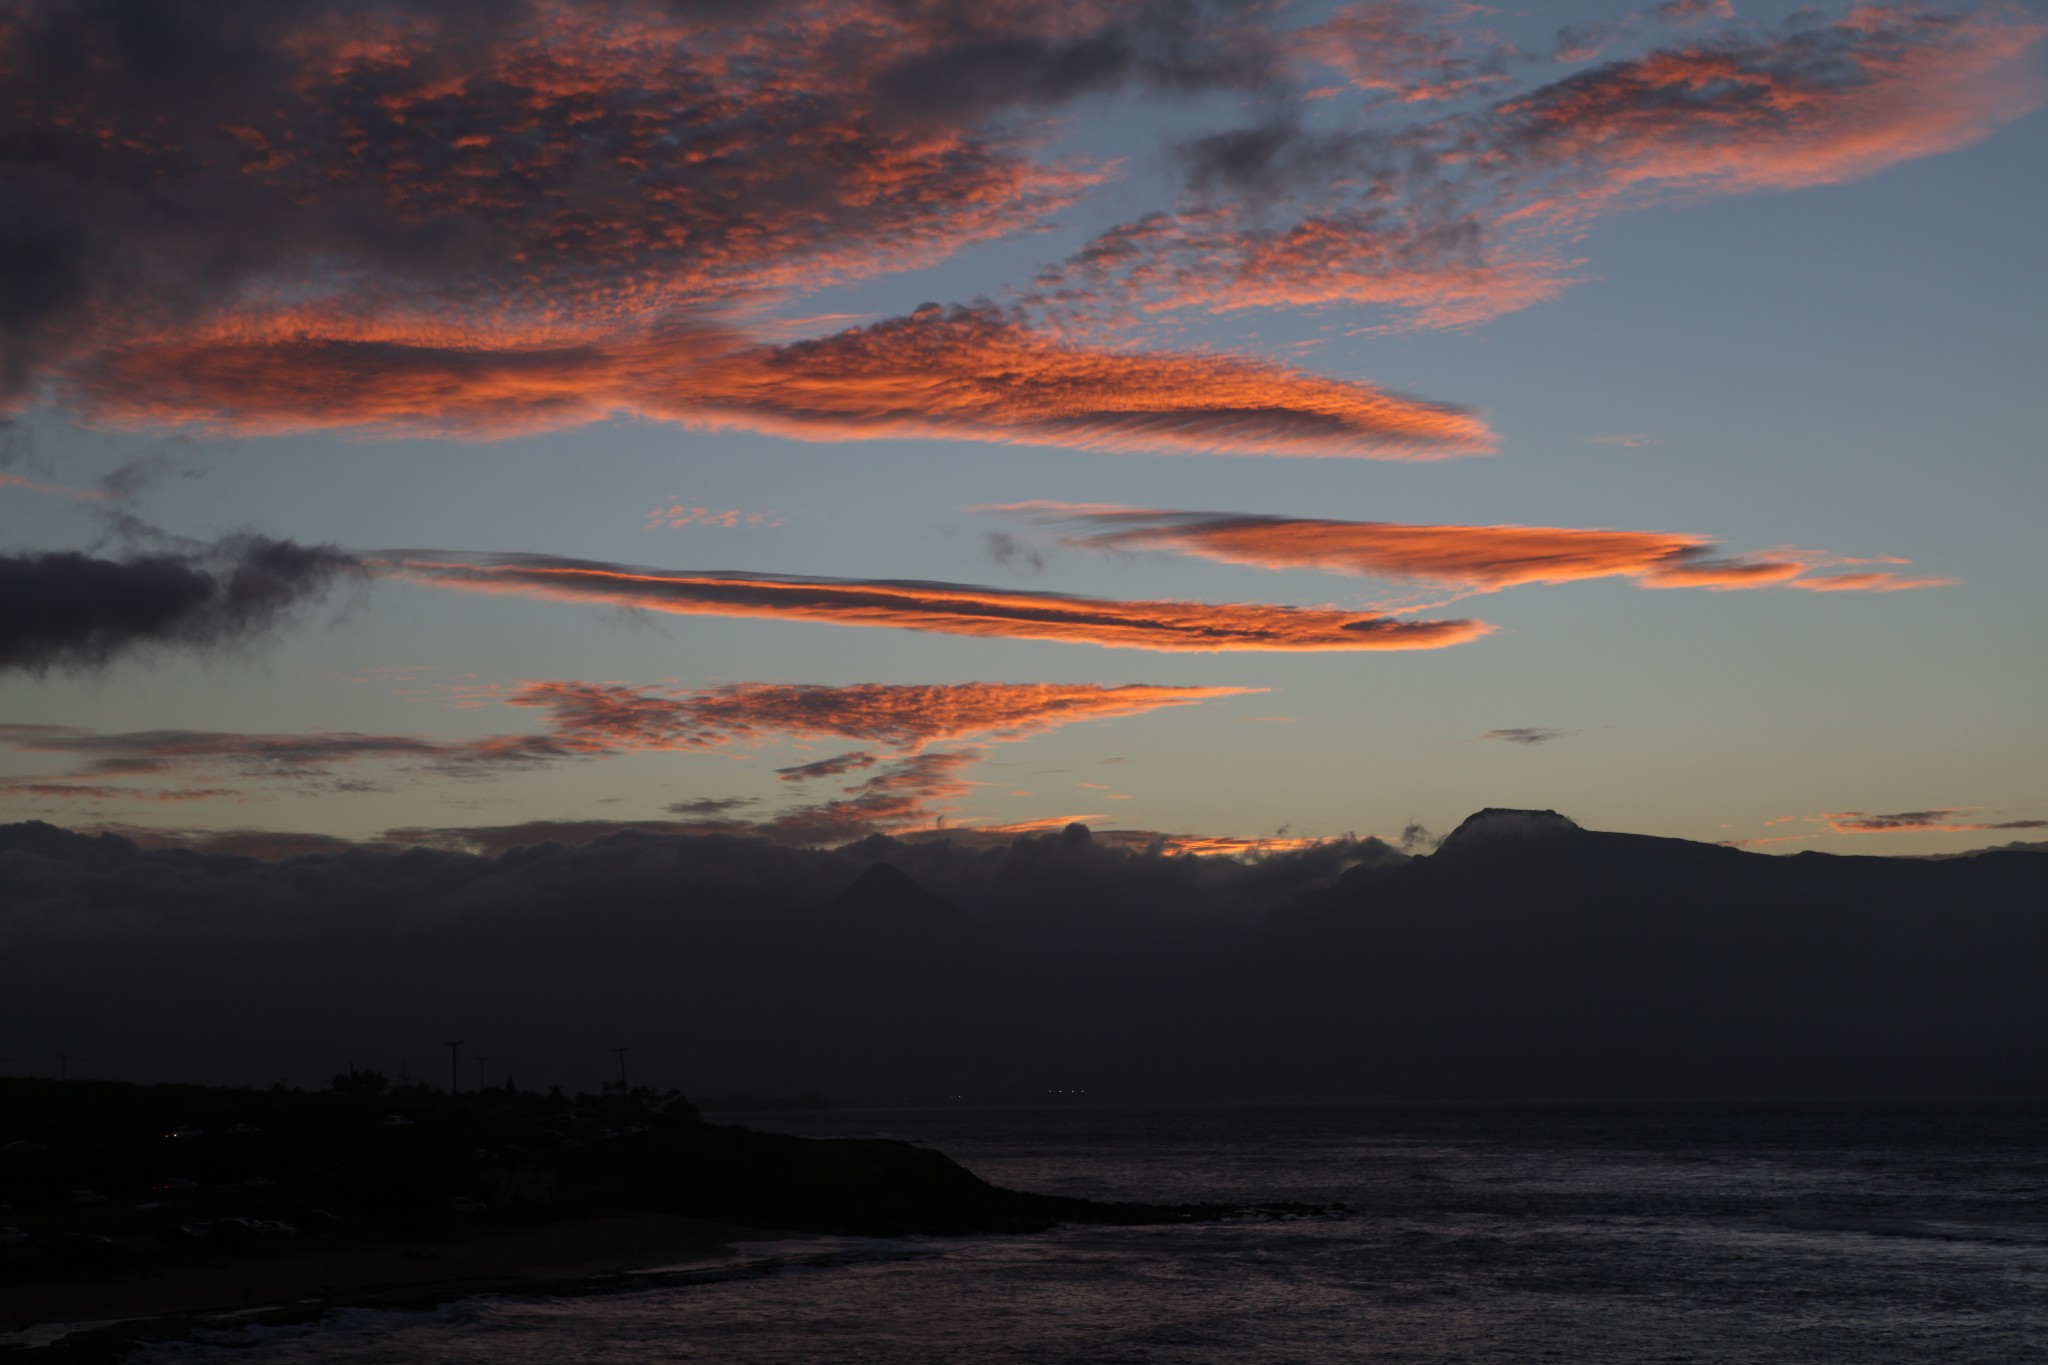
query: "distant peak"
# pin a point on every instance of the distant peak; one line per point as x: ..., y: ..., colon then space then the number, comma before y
x: 881, y: 877
x: 1497, y: 822
x: 886, y: 904
x: 881, y: 885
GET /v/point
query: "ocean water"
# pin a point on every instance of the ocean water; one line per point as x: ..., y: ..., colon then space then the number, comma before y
x: 1584, y: 1234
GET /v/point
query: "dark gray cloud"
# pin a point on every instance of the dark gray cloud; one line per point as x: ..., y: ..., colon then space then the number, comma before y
x: 143, y: 753
x: 1416, y: 836
x: 1282, y: 155
x: 1941, y: 820
x: 65, y: 610
x: 984, y: 58
x: 705, y: 806
x: 128, y: 482
x: 1012, y: 553
x: 827, y: 767
x: 162, y: 218
x: 1528, y: 734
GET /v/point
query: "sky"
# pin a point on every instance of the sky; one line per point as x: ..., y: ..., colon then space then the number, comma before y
x: 1242, y: 423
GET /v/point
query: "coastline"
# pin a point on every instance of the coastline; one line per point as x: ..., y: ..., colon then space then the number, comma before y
x: 100, y: 1319
x: 252, y: 1166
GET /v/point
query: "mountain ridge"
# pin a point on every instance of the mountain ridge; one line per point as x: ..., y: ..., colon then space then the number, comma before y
x: 1537, y: 959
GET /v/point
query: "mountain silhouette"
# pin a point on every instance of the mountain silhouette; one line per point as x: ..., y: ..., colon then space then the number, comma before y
x: 885, y: 902
x: 1525, y: 958
x: 1531, y: 956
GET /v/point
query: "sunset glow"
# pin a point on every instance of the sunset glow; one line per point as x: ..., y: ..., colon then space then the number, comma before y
x: 1248, y: 342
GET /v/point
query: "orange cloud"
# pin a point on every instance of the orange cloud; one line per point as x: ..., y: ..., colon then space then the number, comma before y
x: 1452, y: 221
x: 410, y: 222
x: 1469, y: 559
x: 1413, y: 51
x: 590, y: 720
x: 1820, y: 104
x: 260, y: 381
x: 1429, y: 274
x: 552, y: 166
x: 967, y: 373
x: 419, y: 219
x: 944, y: 608
x: 975, y: 372
x: 1869, y: 582
x: 899, y: 715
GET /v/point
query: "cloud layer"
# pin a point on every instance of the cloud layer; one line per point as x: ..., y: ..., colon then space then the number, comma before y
x: 1467, y: 559
x: 945, y: 608
x: 433, y: 216
x: 903, y: 787
x: 602, y: 718
x: 440, y: 216
x: 1455, y: 219
x: 439, y: 166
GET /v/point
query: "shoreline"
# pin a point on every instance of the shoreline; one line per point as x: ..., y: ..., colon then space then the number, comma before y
x: 100, y: 1319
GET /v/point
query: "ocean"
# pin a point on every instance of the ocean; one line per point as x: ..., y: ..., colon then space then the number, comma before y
x: 1853, y: 1233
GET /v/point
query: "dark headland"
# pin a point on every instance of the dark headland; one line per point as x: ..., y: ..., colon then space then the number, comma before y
x: 160, y: 1205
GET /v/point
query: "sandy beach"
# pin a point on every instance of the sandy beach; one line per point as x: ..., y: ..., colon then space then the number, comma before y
x: 417, y: 1272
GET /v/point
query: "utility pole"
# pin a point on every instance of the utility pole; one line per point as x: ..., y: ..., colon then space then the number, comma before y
x: 454, y: 1076
x: 622, y: 1068
x: 480, y: 1071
